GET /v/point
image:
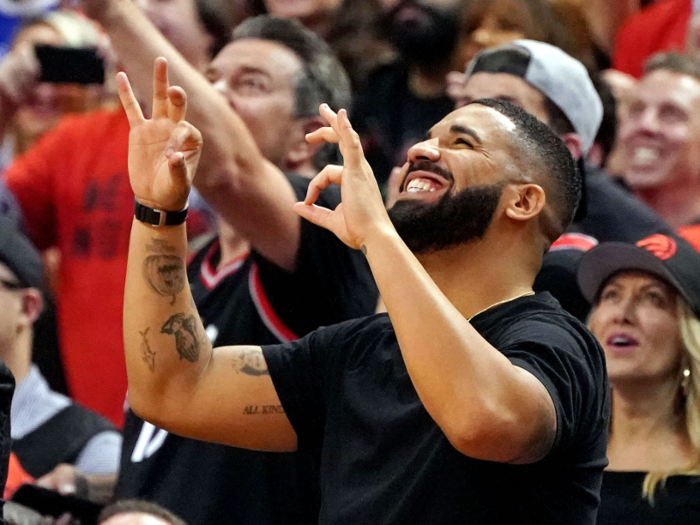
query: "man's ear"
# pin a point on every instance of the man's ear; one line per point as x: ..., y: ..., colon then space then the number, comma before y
x: 524, y: 201
x: 573, y: 143
x: 301, y: 152
x: 32, y: 305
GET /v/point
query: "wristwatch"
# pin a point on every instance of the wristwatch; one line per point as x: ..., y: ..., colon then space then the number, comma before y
x: 159, y: 217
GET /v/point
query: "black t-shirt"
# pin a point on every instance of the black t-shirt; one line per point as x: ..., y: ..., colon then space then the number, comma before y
x: 612, y: 214
x: 250, y: 301
x: 348, y: 395
x: 676, y: 502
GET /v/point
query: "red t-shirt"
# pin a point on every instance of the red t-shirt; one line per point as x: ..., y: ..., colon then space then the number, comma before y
x: 660, y: 27
x: 691, y: 233
x: 73, y: 188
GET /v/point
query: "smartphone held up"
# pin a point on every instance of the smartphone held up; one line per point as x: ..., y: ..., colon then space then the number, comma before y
x: 70, y: 65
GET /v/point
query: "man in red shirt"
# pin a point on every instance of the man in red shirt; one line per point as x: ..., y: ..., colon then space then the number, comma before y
x: 660, y: 140
x: 73, y: 191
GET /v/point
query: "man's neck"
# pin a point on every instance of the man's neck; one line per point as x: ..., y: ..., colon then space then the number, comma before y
x: 18, y: 358
x: 678, y: 205
x: 478, y: 275
x: 231, y: 244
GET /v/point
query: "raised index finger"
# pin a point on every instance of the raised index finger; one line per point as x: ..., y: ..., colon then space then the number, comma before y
x: 128, y: 100
x: 350, y: 145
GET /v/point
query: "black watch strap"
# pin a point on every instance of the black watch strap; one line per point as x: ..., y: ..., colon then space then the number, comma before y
x: 159, y: 217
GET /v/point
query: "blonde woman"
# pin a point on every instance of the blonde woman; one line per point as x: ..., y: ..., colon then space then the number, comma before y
x: 646, y: 306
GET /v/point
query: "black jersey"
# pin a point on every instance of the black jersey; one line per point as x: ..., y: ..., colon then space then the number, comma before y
x: 348, y: 395
x: 250, y: 301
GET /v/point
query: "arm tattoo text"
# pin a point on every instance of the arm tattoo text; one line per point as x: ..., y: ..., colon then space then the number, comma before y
x: 148, y: 355
x: 185, y: 331
x: 261, y: 410
x: 251, y: 362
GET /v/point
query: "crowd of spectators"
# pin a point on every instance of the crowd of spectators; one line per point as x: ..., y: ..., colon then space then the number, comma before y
x: 617, y: 82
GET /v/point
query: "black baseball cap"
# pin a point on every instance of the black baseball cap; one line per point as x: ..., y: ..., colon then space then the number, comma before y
x: 668, y: 257
x: 20, y: 256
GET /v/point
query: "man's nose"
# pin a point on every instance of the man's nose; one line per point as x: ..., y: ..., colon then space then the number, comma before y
x: 426, y: 150
x: 648, y: 120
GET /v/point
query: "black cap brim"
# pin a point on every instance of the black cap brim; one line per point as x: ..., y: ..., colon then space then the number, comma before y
x: 605, y: 260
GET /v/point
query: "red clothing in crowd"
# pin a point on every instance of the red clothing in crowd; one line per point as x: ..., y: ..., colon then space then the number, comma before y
x: 73, y: 189
x: 660, y: 27
x: 691, y: 233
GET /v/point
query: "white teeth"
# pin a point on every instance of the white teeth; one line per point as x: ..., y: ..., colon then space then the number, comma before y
x: 645, y: 155
x: 620, y: 341
x: 420, y: 184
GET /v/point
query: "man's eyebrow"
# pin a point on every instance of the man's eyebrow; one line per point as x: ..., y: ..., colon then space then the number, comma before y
x: 465, y: 130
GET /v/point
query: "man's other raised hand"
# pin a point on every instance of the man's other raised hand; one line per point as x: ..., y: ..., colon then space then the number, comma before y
x: 163, y: 150
x: 361, y: 212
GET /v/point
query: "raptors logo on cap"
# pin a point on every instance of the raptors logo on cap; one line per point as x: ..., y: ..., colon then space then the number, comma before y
x: 662, y: 246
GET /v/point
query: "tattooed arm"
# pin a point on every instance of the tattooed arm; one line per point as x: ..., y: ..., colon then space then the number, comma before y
x: 176, y: 380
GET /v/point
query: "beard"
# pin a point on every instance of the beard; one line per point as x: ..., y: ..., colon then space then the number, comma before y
x: 428, y: 38
x: 454, y: 219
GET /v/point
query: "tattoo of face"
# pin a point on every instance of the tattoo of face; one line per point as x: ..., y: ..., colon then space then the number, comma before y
x: 165, y: 274
x: 251, y: 362
x: 185, y: 331
x: 160, y: 246
x: 148, y: 355
x: 261, y: 410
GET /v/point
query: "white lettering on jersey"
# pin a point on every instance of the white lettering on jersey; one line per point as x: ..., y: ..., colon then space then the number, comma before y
x: 148, y: 444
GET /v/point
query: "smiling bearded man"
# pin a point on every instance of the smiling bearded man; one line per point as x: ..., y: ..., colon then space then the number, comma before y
x: 474, y: 400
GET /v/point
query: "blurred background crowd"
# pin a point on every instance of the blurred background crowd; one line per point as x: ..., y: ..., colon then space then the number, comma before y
x: 619, y: 82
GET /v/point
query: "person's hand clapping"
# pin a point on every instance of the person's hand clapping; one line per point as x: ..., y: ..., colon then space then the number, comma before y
x: 163, y: 150
x: 361, y: 212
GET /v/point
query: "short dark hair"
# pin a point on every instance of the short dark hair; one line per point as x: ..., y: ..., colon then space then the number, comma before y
x: 218, y: 22
x: 323, y: 78
x: 558, y: 122
x: 547, y: 159
x: 128, y: 506
x: 674, y: 62
x: 607, y: 132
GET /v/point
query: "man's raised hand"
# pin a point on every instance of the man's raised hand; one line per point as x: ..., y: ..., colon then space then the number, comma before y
x: 361, y: 211
x: 163, y: 150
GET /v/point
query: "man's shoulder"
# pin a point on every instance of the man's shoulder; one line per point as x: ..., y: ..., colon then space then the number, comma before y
x: 534, y: 318
x: 362, y: 328
x: 614, y: 214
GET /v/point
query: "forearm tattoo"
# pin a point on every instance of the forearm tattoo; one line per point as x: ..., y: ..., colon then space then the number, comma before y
x: 165, y: 273
x: 261, y: 410
x: 184, y: 329
x: 148, y: 355
x: 251, y: 362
